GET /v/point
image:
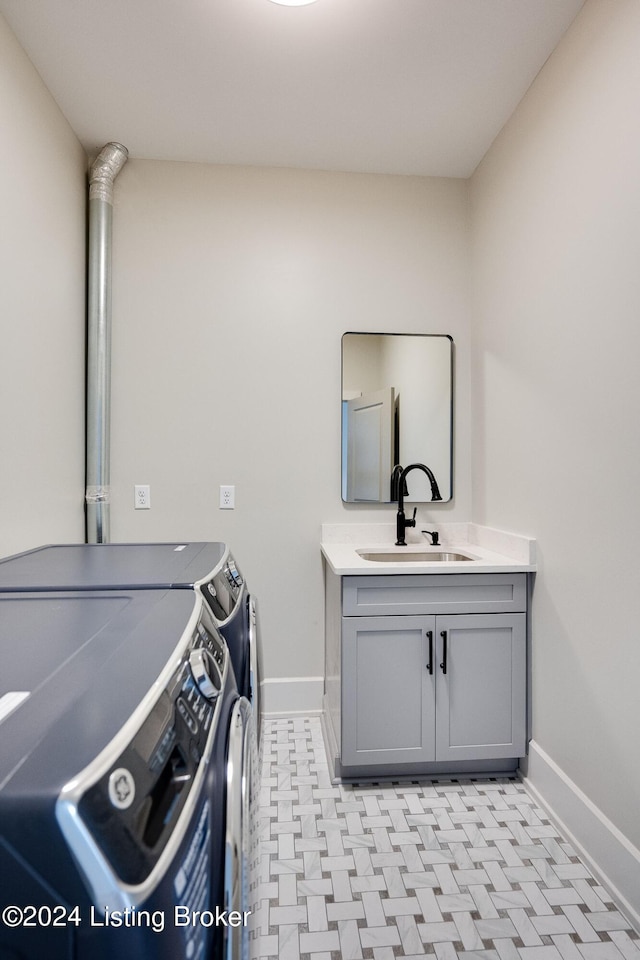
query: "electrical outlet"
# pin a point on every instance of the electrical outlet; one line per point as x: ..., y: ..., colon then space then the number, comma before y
x: 142, y: 496
x: 227, y: 497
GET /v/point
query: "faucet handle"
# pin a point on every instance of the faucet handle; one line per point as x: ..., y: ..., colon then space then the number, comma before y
x: 412, y: 522
x: 435, y: 542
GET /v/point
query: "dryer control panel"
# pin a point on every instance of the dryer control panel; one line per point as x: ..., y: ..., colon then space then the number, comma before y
x: 134, y: 807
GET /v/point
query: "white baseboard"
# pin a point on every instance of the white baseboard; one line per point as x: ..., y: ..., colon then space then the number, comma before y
x: 608, y: 853
x: 291, y: 695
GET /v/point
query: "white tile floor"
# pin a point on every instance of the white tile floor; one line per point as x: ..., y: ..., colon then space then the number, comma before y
x: 466, y: 868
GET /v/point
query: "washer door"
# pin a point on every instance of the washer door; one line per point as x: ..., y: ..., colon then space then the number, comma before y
x: 255, y: 663
x: 241, y: 846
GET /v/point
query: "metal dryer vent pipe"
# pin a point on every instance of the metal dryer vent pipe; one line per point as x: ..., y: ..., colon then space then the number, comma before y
x: 104, y: 169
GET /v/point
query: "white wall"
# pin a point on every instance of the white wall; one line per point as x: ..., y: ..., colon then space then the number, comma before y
x: 232, y: 289
x: 556, y: 391
x: 42, y: 253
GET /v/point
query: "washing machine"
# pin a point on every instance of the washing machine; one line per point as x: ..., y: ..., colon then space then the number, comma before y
x: 127, y: 762
x: 209, y: 568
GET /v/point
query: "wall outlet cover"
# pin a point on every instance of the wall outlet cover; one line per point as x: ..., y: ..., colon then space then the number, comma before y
x: 142, y: 496
x: 227, y: 497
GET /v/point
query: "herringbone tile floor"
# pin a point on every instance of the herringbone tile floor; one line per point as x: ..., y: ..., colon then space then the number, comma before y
x: 465, y: 869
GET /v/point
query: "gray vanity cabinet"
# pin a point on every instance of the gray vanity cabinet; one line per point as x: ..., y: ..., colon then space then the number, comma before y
x: 481, y: 699
x: 388, y: 695
x: 433, y: 671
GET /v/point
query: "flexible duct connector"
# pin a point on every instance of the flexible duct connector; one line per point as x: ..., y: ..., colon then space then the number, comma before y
x: 104, y: 169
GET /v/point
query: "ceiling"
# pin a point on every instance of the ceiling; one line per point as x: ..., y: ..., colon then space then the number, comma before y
x: 380, y: 86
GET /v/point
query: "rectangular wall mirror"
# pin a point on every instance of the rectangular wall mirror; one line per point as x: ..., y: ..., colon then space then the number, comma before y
x: 397, y: 409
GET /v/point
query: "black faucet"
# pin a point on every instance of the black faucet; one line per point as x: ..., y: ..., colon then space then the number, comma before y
x: 401, y: 522
x: 396, y: 473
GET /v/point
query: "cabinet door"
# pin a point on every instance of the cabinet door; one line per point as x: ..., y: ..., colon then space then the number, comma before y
x: 480, y: 708
x: 388, y: 701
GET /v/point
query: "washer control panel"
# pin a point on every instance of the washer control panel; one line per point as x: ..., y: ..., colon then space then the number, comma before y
x: 233, y: 575
x: 222, y: 592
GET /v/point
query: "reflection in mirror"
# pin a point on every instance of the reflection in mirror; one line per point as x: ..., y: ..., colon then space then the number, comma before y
x: 397, y: 401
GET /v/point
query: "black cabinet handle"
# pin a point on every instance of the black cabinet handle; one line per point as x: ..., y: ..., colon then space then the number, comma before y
x: 443, y: 665
x: 430, y: 639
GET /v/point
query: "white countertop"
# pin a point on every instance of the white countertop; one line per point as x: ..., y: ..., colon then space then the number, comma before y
x: 492, y: 551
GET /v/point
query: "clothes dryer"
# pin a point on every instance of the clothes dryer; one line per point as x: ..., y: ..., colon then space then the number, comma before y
x: 119, y: 834
x: 209, y: 568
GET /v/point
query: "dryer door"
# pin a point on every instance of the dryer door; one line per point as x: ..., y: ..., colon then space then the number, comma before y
x: 242, y: 834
